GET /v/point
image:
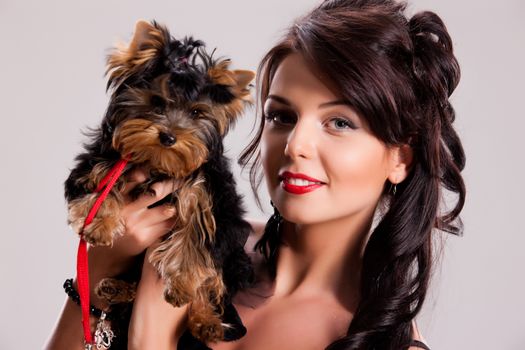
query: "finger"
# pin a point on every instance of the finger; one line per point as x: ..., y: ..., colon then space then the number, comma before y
x: 139, y: 235
x: 163, y: 227
x: 157, y: 214
x: 135, y: 177
x: 161, y: 188
x: 154, y: 232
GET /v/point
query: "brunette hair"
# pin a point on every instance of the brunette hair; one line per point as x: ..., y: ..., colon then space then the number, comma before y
x: 398, y: 74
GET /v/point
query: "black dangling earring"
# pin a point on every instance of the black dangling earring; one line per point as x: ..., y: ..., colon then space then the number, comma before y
x: 271, y: 239
x: 274, y: 223
x: 393, y: 188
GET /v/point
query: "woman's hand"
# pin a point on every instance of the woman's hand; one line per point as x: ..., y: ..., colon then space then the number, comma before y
x: 143, y: 227
x: 155, y: 324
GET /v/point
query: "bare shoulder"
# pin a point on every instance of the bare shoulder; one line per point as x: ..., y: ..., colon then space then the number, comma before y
x: 416, y: 335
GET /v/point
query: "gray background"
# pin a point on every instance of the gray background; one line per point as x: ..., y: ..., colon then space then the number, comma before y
x: 52, y: 85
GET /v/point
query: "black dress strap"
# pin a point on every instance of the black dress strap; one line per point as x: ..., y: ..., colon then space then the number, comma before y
x: 419, y: 344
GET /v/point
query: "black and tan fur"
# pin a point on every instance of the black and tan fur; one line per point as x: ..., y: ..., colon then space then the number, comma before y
x: 171, y: 105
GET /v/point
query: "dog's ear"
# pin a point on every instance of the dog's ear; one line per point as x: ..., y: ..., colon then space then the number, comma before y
x: 236, y: 81
x: 243, y: 97
x: 134, y: 57
x: 243, y: 78
x: 140, y: 34
x: 229, y: 90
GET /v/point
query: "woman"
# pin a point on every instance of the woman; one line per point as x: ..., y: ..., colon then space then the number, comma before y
x: 356, y: 143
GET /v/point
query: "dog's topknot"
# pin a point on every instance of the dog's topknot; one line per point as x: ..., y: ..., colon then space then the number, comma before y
x: 152, y: 52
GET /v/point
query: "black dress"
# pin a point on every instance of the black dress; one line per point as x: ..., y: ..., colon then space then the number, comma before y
x: 419, y: 344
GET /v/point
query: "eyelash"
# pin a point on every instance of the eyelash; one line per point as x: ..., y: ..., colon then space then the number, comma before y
x: 346, y: 121
x: 272, y: 114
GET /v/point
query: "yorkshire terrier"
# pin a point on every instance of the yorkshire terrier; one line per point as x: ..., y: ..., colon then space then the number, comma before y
x: 171, y: 105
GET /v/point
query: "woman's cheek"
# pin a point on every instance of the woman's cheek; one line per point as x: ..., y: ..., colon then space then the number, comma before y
x: 357, y: 173
x: 270, y: 155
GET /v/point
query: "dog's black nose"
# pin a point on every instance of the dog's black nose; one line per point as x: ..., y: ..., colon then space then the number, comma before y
x: 167, y: 139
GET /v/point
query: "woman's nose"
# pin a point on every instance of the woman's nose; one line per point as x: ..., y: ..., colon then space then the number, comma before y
x: 301, y: 141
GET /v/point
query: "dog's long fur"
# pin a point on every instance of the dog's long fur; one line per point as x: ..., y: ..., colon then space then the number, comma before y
x: 171, y: 105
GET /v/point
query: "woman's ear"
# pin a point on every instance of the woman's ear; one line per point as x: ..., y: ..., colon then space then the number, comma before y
x: 401, y: 158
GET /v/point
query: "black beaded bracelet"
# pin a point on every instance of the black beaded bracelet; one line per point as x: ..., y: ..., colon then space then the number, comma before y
x: 73, y: 295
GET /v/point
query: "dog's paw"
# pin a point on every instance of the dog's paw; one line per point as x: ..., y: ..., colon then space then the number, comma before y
x: 78, y: 209
x: 205, y: 328
x: 176, y: 299
x: 105, y: 226
x: 102, y: 230
x: 115, y: 291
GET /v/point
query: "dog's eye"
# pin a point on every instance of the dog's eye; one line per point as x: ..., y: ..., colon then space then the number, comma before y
x: 195, y: 113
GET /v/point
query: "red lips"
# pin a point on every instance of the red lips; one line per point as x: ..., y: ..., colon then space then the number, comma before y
x: 295, y: 189
x: 288, y: 174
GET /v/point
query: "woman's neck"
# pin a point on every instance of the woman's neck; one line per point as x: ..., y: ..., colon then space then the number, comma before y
x: 323, y: 259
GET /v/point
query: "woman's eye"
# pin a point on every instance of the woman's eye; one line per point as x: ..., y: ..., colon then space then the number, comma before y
x: 279, y: 117
x: 341, y: 123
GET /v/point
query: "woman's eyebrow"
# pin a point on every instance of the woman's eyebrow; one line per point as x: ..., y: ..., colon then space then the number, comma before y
x: 322, y: 105
x: 279, y: 99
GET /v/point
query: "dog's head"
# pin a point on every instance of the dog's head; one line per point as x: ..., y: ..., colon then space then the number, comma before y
x: 172, y: 102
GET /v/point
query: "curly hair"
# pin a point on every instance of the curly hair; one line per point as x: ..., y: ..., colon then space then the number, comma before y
x: 398, y: 74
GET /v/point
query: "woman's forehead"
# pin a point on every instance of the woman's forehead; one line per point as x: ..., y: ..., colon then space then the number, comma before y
x: 295, y: 78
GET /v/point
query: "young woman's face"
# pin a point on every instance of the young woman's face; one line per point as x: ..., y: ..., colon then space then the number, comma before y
x: 305, y: 133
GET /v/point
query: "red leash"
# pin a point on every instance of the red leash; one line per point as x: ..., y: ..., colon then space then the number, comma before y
x: 82, y: 257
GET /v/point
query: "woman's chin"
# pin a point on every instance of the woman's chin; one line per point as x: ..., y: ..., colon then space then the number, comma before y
x: 300, y: 217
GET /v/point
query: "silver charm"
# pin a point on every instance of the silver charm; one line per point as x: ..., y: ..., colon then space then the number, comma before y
x: 103, y: 334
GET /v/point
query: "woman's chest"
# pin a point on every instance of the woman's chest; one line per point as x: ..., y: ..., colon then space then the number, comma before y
x: 287, y: 324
